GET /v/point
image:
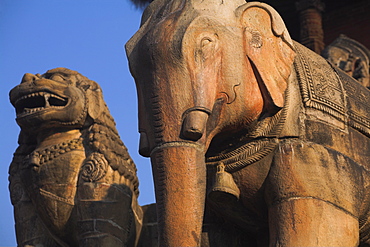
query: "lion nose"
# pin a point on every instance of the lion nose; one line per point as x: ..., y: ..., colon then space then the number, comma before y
x: 29, y: 78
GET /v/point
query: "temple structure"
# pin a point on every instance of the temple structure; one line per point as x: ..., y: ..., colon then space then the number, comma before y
x: 317, y: 23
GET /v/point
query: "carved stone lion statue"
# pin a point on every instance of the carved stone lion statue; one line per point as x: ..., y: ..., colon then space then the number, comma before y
x: 72, y: 181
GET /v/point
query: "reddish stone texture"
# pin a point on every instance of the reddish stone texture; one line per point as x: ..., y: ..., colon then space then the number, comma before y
x: 243, y: 124
x: 311, y: 32
x: 338, y: 17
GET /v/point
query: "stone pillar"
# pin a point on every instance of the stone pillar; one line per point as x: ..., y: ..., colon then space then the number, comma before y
x: 312, y: 34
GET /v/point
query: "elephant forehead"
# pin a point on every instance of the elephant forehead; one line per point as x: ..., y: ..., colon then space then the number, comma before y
x: 173, y: 37
x: 165, y: 23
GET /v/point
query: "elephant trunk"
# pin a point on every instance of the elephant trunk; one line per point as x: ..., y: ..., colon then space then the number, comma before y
x: 194, y: 123
x: 180, y: 182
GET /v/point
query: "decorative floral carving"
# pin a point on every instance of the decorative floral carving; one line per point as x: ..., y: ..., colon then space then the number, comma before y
x: 256, y: 40
x: 16, y: 192
x: 94, y: 168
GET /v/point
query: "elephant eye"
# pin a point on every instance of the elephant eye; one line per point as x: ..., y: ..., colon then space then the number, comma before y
x: 207, y: 46
x: 206, y: 41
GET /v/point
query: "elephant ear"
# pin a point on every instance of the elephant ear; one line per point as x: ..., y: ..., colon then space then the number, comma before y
x: 268, y: 47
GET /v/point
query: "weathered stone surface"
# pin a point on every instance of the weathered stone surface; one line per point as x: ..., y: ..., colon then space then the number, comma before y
x: 254, y: 139
x: 350, y: 56
x: 311, y: 31
x: 72, y: 181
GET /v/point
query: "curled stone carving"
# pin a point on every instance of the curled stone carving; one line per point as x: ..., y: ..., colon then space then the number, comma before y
x: 256, y: 40
x: 16, y: 192
x: 94, y: 168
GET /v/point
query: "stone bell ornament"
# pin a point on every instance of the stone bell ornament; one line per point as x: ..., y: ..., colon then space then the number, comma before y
x: 224, y: 186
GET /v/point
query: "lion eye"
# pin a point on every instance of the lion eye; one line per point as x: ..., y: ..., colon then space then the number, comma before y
x: 58, y: 78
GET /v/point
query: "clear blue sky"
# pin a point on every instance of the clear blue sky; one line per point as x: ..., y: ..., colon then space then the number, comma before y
x: 83, y: 35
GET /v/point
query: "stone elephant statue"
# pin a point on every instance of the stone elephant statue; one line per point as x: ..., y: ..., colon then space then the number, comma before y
x: 244, y: 125
x: 72, y: 181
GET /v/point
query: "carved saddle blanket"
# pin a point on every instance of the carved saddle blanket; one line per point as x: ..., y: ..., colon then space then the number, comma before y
x: 329, y: 89
x: 323, y: 87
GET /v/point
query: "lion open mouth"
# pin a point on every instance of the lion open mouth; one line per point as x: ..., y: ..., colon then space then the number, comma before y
x: 35, y: 102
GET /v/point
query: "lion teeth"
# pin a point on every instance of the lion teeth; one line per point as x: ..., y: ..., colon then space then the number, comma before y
x: 31, y: 110
x: 38, y: 101
x: 30, y: 96
x: 46, y: 97
x: 56, y: 96
x: 39, y: 94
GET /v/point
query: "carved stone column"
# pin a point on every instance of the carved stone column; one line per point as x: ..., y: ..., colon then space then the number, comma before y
x: 312, y: 34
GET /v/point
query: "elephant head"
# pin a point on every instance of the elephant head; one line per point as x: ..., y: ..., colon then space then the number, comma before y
x: 203, y: 70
